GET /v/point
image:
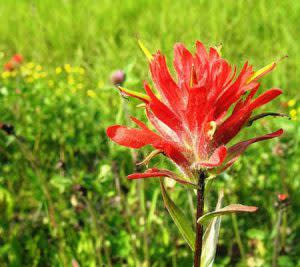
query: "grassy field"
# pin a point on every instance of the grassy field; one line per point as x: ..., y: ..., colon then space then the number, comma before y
x: 64, y: 197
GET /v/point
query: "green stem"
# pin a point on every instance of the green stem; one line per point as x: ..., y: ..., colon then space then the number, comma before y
x: 238, y: 238
x: 276, y: 240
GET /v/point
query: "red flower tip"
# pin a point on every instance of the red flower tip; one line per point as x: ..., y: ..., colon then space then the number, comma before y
x: 8, y: 66
x: 282, y: 197
x: 17, y: 58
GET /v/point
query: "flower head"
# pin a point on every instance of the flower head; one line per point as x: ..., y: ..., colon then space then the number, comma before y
x: 118, y: 77
x: 196, y: 115
x: 14, y: 62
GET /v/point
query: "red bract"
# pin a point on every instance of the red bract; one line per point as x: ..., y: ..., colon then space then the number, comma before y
x: 197, y: 114
x: 282, y: 197
x: 14, y: 62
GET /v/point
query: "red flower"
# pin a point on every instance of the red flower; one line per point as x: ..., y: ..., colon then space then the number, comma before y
x: 282, y: 197
x: 14, y: 62
x: 196, y: 115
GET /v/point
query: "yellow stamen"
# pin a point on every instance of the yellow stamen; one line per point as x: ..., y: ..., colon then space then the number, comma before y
x: 212, y: 129
x: 145, y: 50
x: 134, y: 94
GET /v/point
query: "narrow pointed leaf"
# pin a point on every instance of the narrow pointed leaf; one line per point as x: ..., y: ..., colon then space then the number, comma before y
x: 179, y: 218
x: 233, y: 208
x: 210, y: 238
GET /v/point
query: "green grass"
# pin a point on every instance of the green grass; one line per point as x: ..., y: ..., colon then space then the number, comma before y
x: 47, y: 219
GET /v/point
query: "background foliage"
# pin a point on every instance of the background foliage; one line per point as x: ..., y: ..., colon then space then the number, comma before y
x: 64, y: 198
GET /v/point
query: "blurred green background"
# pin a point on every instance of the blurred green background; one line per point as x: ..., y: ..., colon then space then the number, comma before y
x: 64, y: 197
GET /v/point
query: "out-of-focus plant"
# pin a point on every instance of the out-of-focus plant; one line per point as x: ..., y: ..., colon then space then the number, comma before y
x: 196, y: 117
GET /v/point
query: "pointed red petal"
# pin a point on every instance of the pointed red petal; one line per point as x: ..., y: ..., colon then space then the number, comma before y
x: 133, y: 138
x: 163, y: 112
x: 216, y: 158
x: 235, y: 151
x: 201, y: 51
x: 139, y: 123
x: 231, y: 126
x: 183, y: 62
x: 265, y: 98
x: 164, y: 82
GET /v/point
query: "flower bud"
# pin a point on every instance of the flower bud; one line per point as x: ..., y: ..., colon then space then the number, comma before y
x: 118, y: 77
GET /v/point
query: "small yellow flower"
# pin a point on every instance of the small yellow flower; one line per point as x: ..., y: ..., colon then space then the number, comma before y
x: 291, y: 103
x: 58, y: 70
x: 36, y: 76
x: 5, y: 74
x: 68, y: 68
x: 79, y: 86
x: 91, y: 93
x: 293, y: 113
x: 38, y: 68
x: 294, y: 118
x: 30, y: 65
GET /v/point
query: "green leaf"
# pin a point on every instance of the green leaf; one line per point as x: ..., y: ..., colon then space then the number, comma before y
x: 210, y: 238
x: 179, y: 218
x: 233, y: 208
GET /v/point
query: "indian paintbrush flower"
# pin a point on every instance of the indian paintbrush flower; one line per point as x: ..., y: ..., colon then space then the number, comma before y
x: 197, y: 114
x: 14, y: 62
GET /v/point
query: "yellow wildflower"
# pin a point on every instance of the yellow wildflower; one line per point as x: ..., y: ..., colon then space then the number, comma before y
x: 36, y: 76
x: 38, y: 68
x: 30, y: 65
x: 58, y: 70
x: 79, y: 86
x: 293, y: 114
x: 291, y: 103
x: 5, y: 74
x: 91, y: 93
x: 68, y: 68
